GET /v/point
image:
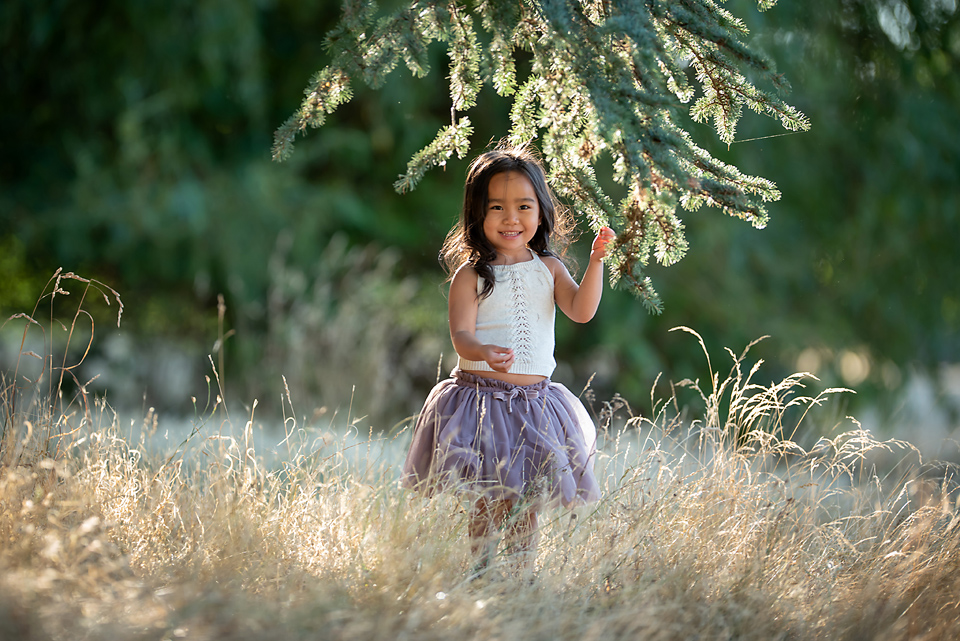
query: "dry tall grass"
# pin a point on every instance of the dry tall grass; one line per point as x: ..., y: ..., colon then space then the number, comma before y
x: 723, y: 527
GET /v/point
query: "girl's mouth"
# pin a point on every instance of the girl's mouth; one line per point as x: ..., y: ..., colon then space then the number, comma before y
x: 510, y: 234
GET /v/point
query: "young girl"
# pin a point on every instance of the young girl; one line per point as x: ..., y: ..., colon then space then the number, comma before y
x: 499, y: 426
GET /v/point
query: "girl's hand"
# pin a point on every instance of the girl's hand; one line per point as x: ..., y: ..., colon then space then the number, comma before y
x: 500, y: 359
x: 598, y: 250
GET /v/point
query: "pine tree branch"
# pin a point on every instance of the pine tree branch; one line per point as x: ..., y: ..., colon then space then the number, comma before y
x: 607, y: 76
x: 453, y: 139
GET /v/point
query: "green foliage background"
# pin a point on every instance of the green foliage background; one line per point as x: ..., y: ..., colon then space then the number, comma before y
x: 136, y: 149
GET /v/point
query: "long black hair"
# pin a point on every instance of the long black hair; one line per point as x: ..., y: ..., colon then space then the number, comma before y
x: 466, y: 242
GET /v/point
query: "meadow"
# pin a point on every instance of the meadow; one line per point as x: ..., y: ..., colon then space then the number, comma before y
x: 731, y: 510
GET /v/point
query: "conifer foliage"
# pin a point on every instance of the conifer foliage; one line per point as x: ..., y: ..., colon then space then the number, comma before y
x: 605, y: 83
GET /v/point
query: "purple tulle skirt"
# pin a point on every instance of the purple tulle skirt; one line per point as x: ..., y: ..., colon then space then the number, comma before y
x: 504, y: 441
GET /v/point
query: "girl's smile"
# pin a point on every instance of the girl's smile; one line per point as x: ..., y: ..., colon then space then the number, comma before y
x: 512, y: 216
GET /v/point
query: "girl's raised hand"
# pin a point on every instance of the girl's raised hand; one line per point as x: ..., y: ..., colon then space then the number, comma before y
x: 599, y: 248
x: 500, y: 359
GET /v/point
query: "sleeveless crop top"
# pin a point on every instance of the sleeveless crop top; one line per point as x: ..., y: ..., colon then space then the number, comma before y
x: 519, y: 314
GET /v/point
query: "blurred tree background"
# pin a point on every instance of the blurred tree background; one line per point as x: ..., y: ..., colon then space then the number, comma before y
x: 136, y: 149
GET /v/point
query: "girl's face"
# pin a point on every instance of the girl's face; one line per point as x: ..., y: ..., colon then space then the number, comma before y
x: 512, y: 216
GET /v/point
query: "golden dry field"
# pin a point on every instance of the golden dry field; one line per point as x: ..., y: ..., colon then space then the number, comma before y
x: 723, y: 517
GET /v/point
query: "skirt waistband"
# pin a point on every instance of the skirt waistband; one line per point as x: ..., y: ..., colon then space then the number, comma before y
x: 494, y: 385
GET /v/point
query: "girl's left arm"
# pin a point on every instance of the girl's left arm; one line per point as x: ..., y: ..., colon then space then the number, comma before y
x: 580, y: 302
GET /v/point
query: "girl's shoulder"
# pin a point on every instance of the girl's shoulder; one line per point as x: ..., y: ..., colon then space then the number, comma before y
x: 465, y: 277
x: 465, y: 271
x: 555, y: 265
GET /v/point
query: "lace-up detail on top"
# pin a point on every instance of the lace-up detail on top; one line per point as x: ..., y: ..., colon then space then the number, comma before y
x: 519, y: 314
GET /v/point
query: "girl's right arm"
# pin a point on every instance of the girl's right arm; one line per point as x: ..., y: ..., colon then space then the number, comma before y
x: 463, y: 305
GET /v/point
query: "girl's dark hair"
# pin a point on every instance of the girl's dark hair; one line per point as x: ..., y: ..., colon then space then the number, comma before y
x: 466, y: 243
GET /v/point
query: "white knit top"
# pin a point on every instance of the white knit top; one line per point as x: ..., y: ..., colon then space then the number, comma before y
x: 519, y: 314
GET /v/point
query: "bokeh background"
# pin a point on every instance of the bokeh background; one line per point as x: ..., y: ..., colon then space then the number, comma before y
x: 135, y: 143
